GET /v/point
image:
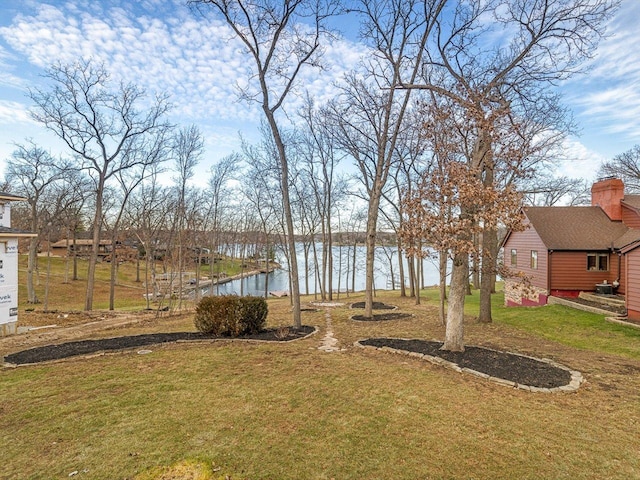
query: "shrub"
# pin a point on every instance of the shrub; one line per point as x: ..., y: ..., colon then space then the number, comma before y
x: 254, y: 312
x: 218, y: 315
x: 231, y: 315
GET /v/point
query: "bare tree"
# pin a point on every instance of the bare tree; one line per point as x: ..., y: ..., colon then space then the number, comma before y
x: 321, y: 158
x: 625, y: 166
x: 147, y: 214
x: 102, y: 126
x: 32, y: 172
x: 187, y: 148
x: 370, y: 112
x: 547, y: 192
x: 218, y: 200
x: 282, y: 38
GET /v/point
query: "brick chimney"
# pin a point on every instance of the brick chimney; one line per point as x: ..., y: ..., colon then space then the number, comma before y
x: 607, y: 193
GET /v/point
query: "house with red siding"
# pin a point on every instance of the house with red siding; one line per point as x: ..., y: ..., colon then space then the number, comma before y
x: 567, y: 250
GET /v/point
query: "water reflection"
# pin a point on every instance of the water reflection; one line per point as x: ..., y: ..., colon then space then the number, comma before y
x: 385, y: 274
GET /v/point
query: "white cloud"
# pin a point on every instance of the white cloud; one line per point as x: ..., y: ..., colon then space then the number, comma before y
x: 13, y: 112
x: 580, y: 161
x: 607, y: 98
x: 197, y: 60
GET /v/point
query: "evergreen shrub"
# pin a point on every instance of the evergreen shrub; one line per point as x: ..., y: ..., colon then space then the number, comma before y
x: 231, y: 315
x: 254, y: 312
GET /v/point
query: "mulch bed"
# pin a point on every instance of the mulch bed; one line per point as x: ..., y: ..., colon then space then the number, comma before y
x: 381, y: 317
x: 374, y: 305
x: 86, y: 347
x: 621, y: 310
x: 522, y: 370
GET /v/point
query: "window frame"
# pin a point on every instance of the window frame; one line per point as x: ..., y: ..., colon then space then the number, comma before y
x: 534, y: 260
x: 514, y: 257
x: 596, y: 265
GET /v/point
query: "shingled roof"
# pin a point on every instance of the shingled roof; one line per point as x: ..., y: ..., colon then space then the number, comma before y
x: 11, y: 197
x: 632, y: 201
x: 12, y: 232
x: 578, y: 228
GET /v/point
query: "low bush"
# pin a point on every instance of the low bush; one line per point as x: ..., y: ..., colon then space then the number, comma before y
x: 254, y: 312
x: 230, y: 315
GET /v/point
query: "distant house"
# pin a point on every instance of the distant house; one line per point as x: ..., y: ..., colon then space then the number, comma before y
x: 566, y: 250
x: 83, y: 247
x: 9, y: 266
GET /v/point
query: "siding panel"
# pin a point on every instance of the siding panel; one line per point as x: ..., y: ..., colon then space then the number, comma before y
x: 630, y: 218
x: 633, y: 283
x: 524, y: 242
x: 569, y: 272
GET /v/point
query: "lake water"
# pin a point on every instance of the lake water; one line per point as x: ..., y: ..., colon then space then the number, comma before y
x: 279, y: 279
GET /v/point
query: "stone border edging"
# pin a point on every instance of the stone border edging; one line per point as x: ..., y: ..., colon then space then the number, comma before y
x: 102, y: 353
x: 409, y: 315
x: 572, y: 386
x: 578, y: 306
x: 621, y: 321
x: 395, y: 307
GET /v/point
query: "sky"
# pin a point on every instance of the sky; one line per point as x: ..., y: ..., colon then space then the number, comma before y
x: 162, y: 46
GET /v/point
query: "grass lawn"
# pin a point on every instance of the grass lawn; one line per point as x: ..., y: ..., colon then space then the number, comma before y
x: 291, y: 411
x: 69, y: 295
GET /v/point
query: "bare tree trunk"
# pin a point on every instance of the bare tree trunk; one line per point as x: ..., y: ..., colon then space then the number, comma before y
x: 75, y: 254
x: 412, y: 276
x: 353, y: 266
x: 372, y: 225
x: 320, y: 277
x: 489, y: 235
x: 114, y: 274
x: 416, y: 269
x: 403, y: 287
x: 93, y: 259
x: 443, y: 284
x: 454, y: 332
x: 476, y: 263
x: 67, y: 259
x: 489, y: 238
x: 46, y: 285
x: 138, y: 266
x: 146, y: 277
x: 32, y: 262
x: 330, y: 258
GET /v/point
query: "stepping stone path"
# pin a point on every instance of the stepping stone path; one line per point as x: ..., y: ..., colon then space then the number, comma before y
x: 329, y: 342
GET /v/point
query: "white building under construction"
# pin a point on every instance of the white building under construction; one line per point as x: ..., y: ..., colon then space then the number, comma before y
x: 9, y: 266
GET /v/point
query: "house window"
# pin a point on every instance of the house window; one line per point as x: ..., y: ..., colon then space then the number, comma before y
x: 598, y: 262
x: 514, y: 257
x: 534, y: 259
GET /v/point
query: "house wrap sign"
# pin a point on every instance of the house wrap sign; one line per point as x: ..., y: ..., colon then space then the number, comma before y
x: 9, y: 266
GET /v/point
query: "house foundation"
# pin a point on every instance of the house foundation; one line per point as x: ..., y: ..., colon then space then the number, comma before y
x: 518, y: 294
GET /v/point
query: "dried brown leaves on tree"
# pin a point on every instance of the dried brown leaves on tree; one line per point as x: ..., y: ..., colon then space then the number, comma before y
x: 450, y: 205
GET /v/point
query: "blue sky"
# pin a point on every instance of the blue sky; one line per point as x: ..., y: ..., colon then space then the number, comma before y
x: 161, y: 46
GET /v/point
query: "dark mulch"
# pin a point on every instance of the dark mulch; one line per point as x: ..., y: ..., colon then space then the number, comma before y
x: 381, y: 317
x: 374, y: 305
x: 86, y: 347
x: 523, y: 370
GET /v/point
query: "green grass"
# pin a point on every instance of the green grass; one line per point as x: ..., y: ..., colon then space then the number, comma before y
x: 568, y: 326
x: 291, y: 411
